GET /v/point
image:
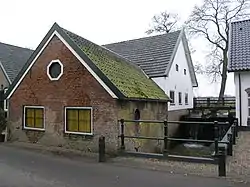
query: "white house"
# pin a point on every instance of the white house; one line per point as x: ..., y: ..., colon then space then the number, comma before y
x: 166, y: 59
x: 239, y: 64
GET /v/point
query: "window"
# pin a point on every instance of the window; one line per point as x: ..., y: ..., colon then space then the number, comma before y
x: 180, y: 98
x: 177, y: 67
x: 186, y: 98
x: 55, y: 70
x: 5, y: 102
x: 78, y: 120
x: 185, y: 71
x: 34, y: 117
x: 172, y: 97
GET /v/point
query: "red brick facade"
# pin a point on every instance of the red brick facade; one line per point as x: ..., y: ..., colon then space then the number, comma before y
x: 76, y: 87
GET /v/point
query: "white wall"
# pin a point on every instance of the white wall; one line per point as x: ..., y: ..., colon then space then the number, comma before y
x: 245, y: 83
x: 177, y: 81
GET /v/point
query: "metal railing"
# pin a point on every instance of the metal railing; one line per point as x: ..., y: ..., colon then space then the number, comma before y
x: 222, y: 146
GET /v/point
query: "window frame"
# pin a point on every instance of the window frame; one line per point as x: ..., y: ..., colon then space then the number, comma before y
x: 180, y: 98
x: 50, y: 64
x: 186, y: 99
x: 5, y: 102
x: 172, y: 103
x: 78, y: 133
x: 24, y: 118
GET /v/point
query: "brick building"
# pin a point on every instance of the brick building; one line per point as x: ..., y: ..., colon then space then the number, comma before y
x: 71, y: 91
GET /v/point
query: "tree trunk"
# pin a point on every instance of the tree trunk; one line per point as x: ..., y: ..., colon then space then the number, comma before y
x: 223, y: 76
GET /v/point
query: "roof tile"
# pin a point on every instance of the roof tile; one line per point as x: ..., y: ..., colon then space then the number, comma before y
x: 239, y: 46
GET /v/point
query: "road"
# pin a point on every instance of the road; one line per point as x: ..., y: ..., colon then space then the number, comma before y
x: 23, y: 168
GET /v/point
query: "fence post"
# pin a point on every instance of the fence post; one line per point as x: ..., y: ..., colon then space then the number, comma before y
x: 233, y: 134
x: 122, y: 135
x: 102, y: 157
x: 230, y: 145
x: 208, y: 101
x: 216, y: 144
x: 165, y: 152
x: 222, y: 162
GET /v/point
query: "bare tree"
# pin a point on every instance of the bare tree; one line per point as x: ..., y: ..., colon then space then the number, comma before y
x: 163, y: 23
x: 211, y: 20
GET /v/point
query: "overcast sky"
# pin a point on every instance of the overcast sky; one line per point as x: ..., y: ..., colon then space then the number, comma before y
x: 25, y: 22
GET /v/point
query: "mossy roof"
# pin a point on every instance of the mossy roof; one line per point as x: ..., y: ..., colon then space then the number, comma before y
x: 127, y: 77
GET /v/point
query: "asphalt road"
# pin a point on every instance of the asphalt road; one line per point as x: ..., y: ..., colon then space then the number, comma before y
x: 23, y: 168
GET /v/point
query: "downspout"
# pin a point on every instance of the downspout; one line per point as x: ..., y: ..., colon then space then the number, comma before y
x: 240, y: 100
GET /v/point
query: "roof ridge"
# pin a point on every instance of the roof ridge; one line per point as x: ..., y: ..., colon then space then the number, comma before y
x: 240, y: 21
x: 157, y: 35
x: 16, y: 46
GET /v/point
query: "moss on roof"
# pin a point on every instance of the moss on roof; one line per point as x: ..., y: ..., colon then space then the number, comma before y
x: 126, y: 76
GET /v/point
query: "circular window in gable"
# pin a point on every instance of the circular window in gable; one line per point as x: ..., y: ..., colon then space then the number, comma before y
x: 55, y: 70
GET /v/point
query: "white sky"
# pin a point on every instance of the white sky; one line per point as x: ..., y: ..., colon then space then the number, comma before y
x: 25, y: 22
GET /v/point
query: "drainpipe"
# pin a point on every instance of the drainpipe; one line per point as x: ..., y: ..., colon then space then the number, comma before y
x: 240, y: 100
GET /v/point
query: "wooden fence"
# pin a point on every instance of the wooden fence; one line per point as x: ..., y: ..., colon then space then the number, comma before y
x: 212, y: 101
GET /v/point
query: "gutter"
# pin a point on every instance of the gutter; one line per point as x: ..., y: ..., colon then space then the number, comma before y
x: 240, y: 100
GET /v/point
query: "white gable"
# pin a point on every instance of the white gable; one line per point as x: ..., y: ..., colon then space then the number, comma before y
x: 177, y: 81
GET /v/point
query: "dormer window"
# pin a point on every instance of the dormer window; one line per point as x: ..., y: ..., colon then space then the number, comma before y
x: 185, y: 71
x: 176, y: 67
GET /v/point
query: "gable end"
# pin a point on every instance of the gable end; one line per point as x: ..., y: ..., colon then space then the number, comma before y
x: 54, y: 32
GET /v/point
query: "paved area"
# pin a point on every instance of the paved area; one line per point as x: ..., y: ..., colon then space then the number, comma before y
x: 238, y: 166
x: 23, y: 168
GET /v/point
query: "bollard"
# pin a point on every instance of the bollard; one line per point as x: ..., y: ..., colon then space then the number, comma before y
x: 122, y: 135
x: 222, y: 162
x: 102, y: 157
x: 165, y: 138
x: 216, y: 144
x: 229, y: 145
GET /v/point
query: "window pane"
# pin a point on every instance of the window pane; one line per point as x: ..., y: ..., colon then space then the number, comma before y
x: 72, y: 114
x: 172, y: 96
x: 186, y: 98
x: 85, y: 121
x: 30, y: 113
x: 39, y: 123
x: 72, y: 125
x: 29, y: 117
x: 248, y: 111
x: 29, y: 122
x: 249, y: 102
x: 39, y: 112
x: 180, y: 99
x: 55, y: 70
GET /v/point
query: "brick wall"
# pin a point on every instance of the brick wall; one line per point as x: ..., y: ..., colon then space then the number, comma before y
x: 76, y: 87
